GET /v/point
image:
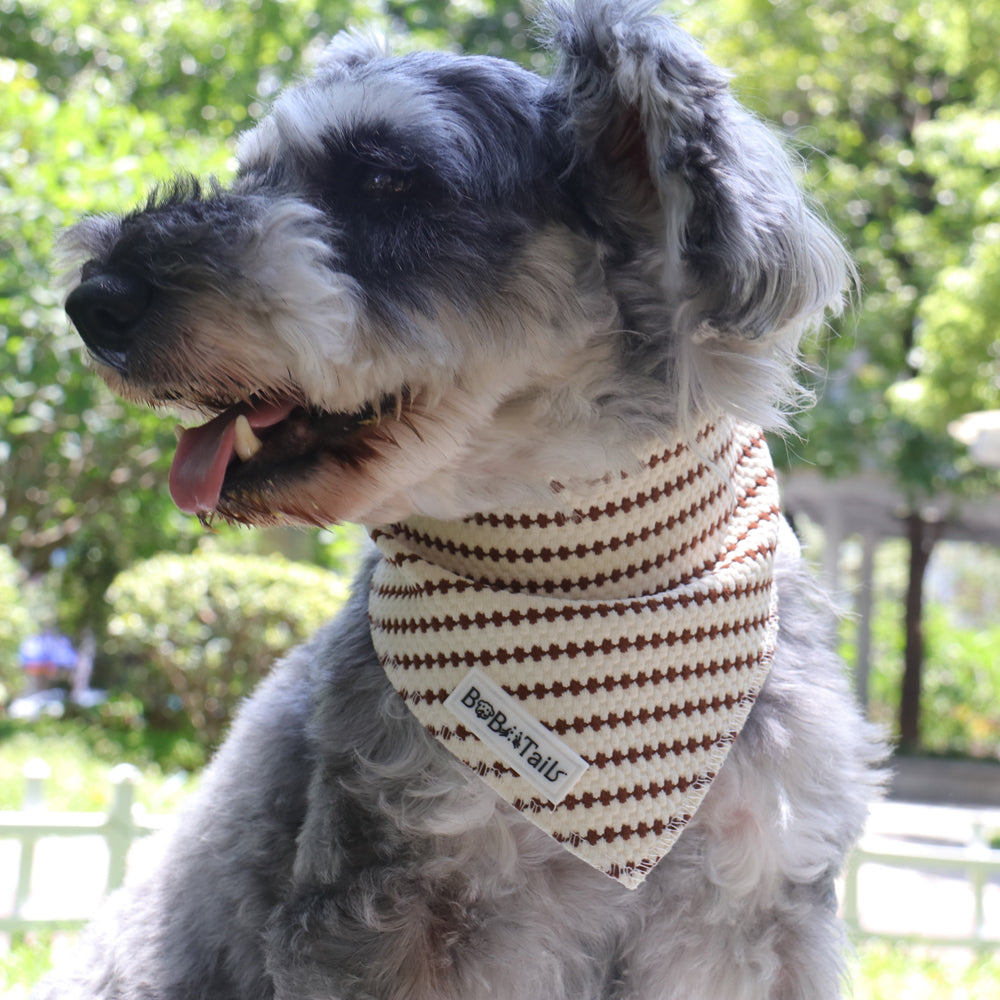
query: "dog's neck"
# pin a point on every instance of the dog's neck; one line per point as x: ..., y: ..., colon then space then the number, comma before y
x: 624, y: 535
x: 632, y: 622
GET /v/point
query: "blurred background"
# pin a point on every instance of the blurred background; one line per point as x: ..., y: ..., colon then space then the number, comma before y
x: 128, y: 633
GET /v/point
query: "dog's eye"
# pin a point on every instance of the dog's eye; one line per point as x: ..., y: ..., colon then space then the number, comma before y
x: 383, y: 183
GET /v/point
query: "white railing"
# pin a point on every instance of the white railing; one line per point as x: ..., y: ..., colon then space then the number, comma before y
x: 119, y: 827
x: 931, y: 841
x: 922, y: 840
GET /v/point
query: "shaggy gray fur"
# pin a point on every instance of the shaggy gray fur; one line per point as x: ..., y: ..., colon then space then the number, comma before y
x: 491, y: 281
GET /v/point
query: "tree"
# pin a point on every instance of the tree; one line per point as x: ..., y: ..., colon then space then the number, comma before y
x: 894, y: 107
x: 100, y: 100
x: 78, y: 465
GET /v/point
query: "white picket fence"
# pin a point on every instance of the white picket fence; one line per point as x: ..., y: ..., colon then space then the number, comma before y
x: 943, y: 853
x: 926, y: 875
x: 119, y: 828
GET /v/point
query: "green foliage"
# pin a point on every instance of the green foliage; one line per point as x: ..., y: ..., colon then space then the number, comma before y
x: 191, y: 63
x: 963, y: 309
x: 24, y: 964
x: 880, y: 970
x: 962, y: 677
x: 200, y: 631
x: 80, y: 468
x: 99, y: 100
x: 961, y: 672
x: 493, y: 28
x: 893, y: 108
x: 80, y: 753
x: 16, y: 622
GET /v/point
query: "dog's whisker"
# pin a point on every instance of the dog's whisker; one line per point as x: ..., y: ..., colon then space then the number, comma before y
x: 385, y: 435
x: 410, y: 425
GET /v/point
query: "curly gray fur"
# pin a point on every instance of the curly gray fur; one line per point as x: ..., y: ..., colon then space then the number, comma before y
x: 334, y: 850
x: 532, y: 273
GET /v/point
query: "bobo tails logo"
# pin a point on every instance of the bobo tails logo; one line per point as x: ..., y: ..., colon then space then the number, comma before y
x: 516, y: 737
x: 548, y: 767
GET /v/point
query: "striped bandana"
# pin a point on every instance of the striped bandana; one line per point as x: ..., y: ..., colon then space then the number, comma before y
x: 594, y: 662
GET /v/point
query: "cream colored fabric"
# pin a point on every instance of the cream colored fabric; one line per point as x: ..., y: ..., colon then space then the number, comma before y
x: 636, y: 620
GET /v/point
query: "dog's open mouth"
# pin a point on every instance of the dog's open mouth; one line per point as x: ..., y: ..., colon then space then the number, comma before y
x: 251, y: 446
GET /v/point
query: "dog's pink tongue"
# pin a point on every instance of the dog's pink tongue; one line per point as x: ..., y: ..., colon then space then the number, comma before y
x: 203, y: 454
x: 199, y: 465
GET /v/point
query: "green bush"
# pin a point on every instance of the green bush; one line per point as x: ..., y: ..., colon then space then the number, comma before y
x: 15, y: 623
x: 190, y: 635
x: 960, y: 714
x: 959, y: 706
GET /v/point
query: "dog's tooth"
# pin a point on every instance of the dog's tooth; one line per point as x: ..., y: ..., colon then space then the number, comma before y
x: 247, y: 443
x: 179, y: 431
x: 399, y: 406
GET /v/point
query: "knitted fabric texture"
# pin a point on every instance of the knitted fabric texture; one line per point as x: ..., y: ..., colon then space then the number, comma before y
x: 635, y: 620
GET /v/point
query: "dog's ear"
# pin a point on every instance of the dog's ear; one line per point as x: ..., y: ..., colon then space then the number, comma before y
x: 351, y: 48
x: 743, y: 255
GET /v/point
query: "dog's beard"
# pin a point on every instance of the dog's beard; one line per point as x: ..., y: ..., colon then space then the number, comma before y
x: 252, y: 447
x: 269, y: 460
x: 262, y: 462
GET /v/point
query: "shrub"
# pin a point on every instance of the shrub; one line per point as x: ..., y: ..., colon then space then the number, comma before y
x: 961, y: 679
x: 961, y: 671
x: 193, y: 634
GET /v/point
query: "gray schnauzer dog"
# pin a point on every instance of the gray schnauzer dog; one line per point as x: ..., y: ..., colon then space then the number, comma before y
x: 579, y: 732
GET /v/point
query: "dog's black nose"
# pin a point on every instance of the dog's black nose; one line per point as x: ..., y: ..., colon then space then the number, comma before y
x: 105, y: 309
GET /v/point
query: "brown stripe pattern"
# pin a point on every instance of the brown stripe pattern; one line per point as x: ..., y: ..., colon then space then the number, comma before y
x: 635, y: 619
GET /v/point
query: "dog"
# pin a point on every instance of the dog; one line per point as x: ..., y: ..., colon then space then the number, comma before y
x: 579, y: 733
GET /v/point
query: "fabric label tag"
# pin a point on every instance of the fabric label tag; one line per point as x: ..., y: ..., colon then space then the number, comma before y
x: 517, y: 738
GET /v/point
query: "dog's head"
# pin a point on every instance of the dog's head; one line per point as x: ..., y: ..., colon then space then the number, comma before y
x: 440, y: 283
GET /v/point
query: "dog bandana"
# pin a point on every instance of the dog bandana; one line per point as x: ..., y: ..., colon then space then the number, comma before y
x: 594, y: 662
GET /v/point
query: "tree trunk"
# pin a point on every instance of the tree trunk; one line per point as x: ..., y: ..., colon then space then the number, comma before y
x: 921, y: 537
